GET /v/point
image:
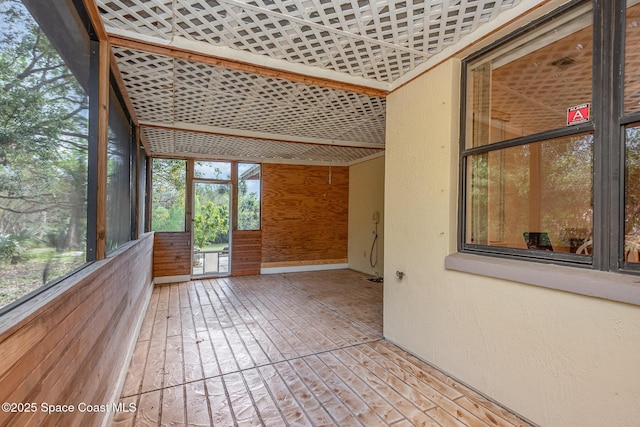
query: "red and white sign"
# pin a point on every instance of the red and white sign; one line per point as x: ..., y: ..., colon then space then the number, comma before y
x: 578, y: 114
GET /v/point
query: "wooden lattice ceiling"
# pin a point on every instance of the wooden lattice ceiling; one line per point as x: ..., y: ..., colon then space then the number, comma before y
x: 278, y: 80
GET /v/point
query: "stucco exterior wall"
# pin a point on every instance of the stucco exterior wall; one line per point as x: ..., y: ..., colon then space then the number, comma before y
x: 556, y: 358
x: 366, y: 196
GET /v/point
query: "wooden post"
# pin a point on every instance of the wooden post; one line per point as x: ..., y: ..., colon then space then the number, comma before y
x: 103, y: 142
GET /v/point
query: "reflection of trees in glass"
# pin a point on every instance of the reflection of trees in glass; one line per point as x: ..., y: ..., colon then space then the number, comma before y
x: 545, y: 186
x: 567, y: 185
x: 479, y: 199
x: 43, y: 151
x: 168, y: 198
x: 632, y: 184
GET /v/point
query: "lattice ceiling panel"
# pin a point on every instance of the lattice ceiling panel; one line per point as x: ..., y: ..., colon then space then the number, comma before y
x: 178, y: 143
x: 207, y: 95
x: 380, y: 40
x: 376, y: 41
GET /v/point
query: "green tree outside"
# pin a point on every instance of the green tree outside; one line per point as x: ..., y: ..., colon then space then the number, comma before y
x: 43, y: 158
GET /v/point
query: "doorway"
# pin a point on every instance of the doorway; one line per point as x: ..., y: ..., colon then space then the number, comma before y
x: 211, y: 235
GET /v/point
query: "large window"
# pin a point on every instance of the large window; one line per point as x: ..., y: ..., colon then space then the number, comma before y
x: 543, y: 135
x: 525, y: 87
x: 43, y: 152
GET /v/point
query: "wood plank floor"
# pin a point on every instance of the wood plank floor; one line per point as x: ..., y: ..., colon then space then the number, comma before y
x: 299, y: 349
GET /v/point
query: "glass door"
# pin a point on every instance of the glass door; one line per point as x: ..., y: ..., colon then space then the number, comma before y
x: 211, y: 228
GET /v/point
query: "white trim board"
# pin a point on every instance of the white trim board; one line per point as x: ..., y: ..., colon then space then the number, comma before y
x: 171, y: 279
x: 300, y: 268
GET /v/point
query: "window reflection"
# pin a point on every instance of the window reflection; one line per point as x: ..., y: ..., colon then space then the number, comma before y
x: 545, y: 187
x: 632, y: 60
x: 526, y: 87
x: 632, y: 195
x: 119, y: 218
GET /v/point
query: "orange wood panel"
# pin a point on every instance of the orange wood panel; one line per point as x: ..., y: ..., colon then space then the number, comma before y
x: 304, y: 213
x: 247, y: 253
x: 104, y: 73
x: 172, y: 254
x: 69, y: 344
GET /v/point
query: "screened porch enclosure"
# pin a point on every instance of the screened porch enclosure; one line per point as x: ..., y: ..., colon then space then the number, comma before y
x: 194, y: 194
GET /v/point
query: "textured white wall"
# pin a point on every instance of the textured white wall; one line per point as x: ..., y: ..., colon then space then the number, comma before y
x: 557, y: 358
x: 366, y: 196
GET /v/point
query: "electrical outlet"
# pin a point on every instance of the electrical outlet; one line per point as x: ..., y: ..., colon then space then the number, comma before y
x: 364, y: 254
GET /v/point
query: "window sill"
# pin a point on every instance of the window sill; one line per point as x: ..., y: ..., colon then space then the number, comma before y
x: 600, y: 284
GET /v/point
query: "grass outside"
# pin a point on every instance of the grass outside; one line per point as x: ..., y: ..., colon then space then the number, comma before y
x: 215, y: 247
x: 17, y: 280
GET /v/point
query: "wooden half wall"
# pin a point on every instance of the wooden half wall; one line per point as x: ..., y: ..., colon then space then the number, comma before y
x: 172, y: 254
x: 247, y: 252
x: 71, y: 344
x: 305, y: 215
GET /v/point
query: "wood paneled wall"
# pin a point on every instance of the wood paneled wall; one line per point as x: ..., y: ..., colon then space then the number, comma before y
x: 71, y: 343
x: 247, y: 252
x: 305, y: 213
x: 172, y: 254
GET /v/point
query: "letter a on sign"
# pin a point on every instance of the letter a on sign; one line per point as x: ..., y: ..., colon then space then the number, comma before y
x: 578, y: 114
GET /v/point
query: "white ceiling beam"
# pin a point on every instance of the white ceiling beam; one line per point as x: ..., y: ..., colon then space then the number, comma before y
x: 279, y: 161
x: 181, y: 44
x: 241, y: 133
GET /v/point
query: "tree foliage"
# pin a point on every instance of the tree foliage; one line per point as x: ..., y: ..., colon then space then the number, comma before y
x: 169, y: 186
x: 549, y: 183
x: 212, y: 215
x: 43, y: 138
x: 211, y: 225
x: 248, y: 208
